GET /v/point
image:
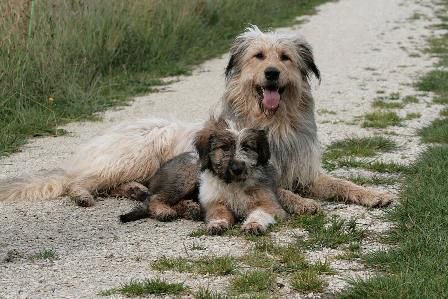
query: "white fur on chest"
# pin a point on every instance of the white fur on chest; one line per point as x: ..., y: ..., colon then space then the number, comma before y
x: 233, y: 195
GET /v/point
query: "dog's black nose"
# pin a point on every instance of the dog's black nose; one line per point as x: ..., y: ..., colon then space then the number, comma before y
x: 271, y: 73
x: 238, y: 167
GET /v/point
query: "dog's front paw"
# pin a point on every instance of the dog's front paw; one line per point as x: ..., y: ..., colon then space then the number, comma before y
x: 309, y: 206
x: 217, y: 227
x: 375, y: 199
x: 254, y: 228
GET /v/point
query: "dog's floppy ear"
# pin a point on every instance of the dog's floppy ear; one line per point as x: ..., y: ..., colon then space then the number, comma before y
x: 264, y: 153
x: 306, y: 55
x: 202, y: 145
x: 239, y: 47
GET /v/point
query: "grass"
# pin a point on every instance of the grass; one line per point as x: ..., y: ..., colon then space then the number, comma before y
x: 436, y: 132
x: 410, y: 100
x: 252, y: 282
x: 359, y: 147
x: 45, y: 254
x: 417, y: 264
x: 146, y: 287
x: 307, y: 281
x: 381, y: 119
x: 378, y: 103
x: 86, y: 56
x: 207, y: 265
x: 412, y: 115
x: 204, y: 293
x: 374, y: 180
x: 344, y: 153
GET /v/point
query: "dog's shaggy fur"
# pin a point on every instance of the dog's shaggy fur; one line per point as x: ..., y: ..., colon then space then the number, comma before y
x: 267, y: 86
x: 235, y: 178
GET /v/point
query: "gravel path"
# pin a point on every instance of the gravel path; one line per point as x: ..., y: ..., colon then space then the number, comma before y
x: 362, y: 47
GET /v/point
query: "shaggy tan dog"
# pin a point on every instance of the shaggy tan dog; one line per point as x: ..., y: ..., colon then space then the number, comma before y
x: 267, y: 86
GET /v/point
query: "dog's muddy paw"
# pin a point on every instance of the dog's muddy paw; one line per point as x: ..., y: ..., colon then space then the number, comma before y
x: 165, y: 215
x: 254, y: 228
x: 377, y: 199
x: 309, y: 206
x: 217, y: 227
x: 84, y: 201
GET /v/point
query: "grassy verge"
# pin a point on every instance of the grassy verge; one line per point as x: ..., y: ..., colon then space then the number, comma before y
x: 417, y: 267
x: 75, y: 58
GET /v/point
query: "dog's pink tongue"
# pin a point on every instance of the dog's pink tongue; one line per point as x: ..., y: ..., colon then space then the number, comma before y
x: 271, y: 99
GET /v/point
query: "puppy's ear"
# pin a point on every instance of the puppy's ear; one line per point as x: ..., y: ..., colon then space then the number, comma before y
x: 308, y: 65
x: 202, y: 145
x: 264, y: 153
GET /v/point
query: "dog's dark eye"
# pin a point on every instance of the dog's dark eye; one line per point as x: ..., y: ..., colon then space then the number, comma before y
x: 225, y: 147
x: 259, y: 55
x: 284, y: 57
x: 246, y: 148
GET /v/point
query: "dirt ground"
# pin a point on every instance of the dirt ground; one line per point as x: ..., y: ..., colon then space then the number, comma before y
x: 362, y: 48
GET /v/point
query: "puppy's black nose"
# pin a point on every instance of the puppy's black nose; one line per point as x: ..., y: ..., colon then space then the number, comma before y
x: 271, y: 73
x: 238, y: 167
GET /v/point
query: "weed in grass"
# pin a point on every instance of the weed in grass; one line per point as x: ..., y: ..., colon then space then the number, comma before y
x: 374, y: 180
x: 252, y: 282
x: 322, y: 268
x: 410, y: 100
x: 45, y: 254
x: 325, y: 111
x: 441, y: 100
x: 381, y: 119
x: 435, y: 81
x: 259, y: 259
x: 386, y: 105
x: 207, y: 265
x: 203, y: 293
x: 307, y: 281
x: 436, y: 132
x: 412, y: 115
x: 335, y: 233
x: 291, y: 259
x: 372, y: 165
x: 444, y: 112
x: 360, y: 147
x: 146, y: 287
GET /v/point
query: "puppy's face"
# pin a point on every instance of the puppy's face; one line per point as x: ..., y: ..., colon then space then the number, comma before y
x: 230, y: 154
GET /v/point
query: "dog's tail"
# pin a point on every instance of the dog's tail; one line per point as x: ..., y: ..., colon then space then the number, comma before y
x: 47, y: 186
x: 137, y: 213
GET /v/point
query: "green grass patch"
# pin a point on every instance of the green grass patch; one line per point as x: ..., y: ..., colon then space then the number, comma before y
x: 86, y: 56
x: 436, y: 132
x: 252, y: 283
x: 374, y: 180
x: 204, y: 293
x: 412, y: 115
x: 435, y: 81
x: 207, y: 265
x: 45, y: 254
x: 307, y: 281
x: 386, y: 105
x: 372, y: 165
x: 444, y: 112
x: 381, y: 119
x: 359, y: 147
x: 417, y: 267
x: 146, y: 287
x: 410, y: 100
